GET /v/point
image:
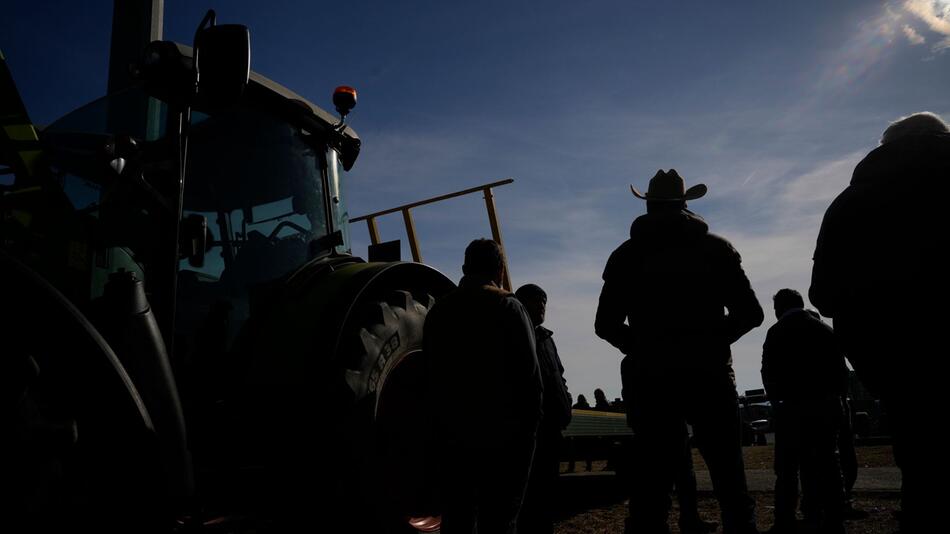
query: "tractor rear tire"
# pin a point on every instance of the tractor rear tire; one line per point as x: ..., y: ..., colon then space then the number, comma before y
x: 398, y: 466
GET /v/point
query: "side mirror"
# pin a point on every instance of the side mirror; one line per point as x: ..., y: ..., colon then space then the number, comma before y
x: 193, y: 239
x: 222, y: 62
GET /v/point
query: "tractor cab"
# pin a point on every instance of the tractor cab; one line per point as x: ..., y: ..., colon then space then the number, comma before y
x: 255, y: 203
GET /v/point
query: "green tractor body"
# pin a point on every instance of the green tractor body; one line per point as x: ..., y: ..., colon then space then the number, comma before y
x: 185, y: 333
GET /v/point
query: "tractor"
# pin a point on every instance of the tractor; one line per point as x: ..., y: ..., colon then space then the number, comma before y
x: 186, y: 341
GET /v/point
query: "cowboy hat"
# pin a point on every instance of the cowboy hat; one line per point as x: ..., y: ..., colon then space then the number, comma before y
x: 668, y: 186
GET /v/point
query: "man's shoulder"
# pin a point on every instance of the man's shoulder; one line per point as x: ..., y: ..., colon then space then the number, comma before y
x: 802, y: 321
x: 464, y: 298
x: 620, y: 259
x: 718, y: 242
x: 620, y: 253
x: 720, y: 250
x: 543, y: 334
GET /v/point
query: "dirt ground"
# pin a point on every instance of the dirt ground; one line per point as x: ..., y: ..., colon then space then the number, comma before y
x: 609, y: 519
x: 762, y: 458
x: 880, y: 506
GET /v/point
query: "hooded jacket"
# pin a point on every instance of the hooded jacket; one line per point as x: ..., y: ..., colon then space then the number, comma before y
x: 880, y: 261
x: 801, y: 359
x: 482, y: 367
x: 683, y: 295
x: 557, y: 400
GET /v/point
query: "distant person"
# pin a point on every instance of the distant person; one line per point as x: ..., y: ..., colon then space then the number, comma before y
x: 582, y: 403
x: 674, y: 299
x: 537, y: 512
x: 486, y: 387
x: 880, y: 272
x: 600, y: 401
x: 805, y: 379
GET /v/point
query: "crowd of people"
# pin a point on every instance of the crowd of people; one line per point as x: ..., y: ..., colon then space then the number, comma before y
x: 674, y: 299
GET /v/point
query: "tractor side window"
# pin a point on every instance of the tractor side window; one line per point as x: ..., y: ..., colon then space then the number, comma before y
x: 128, y: 112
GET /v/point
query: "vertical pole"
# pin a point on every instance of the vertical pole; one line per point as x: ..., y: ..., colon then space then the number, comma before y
x: 135, y: 24
x: 496, y: 234
x: 373, y: 230
x: 411, y: 234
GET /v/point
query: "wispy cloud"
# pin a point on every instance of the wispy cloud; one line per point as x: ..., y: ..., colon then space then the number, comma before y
x: 936, y: 15
x: 913, y: 37
x: 861, y: 52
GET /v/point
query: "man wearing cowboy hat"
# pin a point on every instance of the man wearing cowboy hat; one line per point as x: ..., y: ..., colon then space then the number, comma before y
x: 664, y: 304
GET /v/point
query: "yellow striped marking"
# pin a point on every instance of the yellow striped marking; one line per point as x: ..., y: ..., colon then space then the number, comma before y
x: 21, y: 132
x: 597, y: 413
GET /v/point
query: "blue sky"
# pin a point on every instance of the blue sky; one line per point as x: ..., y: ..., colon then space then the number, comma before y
x: 770, y: 104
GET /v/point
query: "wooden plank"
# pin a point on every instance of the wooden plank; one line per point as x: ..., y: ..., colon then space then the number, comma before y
x: 431, y: 200
x: 496, y: 234
x: 411, y: 234
x: 373, y: 230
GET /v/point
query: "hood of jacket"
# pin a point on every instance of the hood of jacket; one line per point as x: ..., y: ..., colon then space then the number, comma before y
x: 924, y: 155
x: 658, y: 227
x: 472, y: 282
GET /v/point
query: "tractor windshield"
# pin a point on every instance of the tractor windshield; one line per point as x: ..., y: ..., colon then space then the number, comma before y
x: 258, y: 182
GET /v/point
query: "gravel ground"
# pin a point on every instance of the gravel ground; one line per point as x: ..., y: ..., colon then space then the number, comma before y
x: 609, y: 519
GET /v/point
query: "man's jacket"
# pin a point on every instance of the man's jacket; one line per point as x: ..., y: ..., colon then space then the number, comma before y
x: 483, y: 372
x: 880, y: 267
x: 557, y: 400
x: 683, y: 295
x: 802, y: 360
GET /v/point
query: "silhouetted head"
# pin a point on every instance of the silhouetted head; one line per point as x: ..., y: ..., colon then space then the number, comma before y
x: 582, y: 400
x: 534, y: 300
x: 921, y: 123
x: 599, y: 396
x: 484, y: 261
x: 667, y: 192
x: 787, y: 299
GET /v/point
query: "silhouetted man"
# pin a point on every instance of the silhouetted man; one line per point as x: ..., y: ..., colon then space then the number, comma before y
x: 486, y: 387
x: 600, y: 401
x: 805, y: 379
x: 537, y: 512
x: 880, y: 271
x: 663, y: 305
